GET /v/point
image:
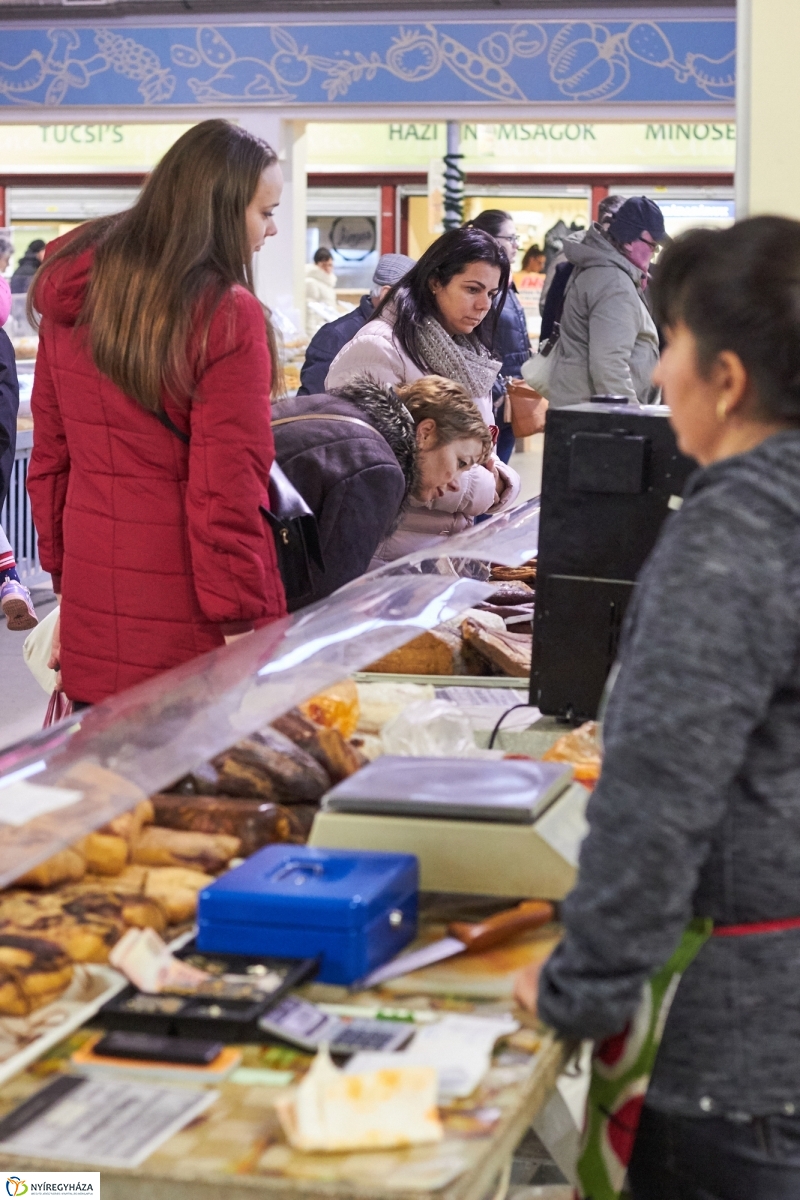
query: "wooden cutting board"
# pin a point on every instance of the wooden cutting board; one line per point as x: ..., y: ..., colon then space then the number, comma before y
x: 488, y: 976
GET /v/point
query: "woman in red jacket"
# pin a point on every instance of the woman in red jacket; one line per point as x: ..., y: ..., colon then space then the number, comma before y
x: 158, y: 548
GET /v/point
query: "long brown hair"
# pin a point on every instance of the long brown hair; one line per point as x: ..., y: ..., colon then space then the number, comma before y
x: 161, y: 268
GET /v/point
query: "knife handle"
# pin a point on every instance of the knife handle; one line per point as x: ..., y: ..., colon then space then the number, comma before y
x: 531, y: 914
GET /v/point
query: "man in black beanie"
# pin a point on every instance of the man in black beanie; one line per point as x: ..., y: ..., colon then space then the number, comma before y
x: 608, y: 343
x: 328, y: 341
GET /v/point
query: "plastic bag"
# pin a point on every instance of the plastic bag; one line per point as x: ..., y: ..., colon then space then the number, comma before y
x: 581, y: 748
x: 431, y: 729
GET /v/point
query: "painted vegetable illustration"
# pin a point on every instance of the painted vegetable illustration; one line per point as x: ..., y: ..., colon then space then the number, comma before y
x: 587, y: 62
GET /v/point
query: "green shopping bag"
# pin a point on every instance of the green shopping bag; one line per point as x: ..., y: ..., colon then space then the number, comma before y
x: 621, y: 1070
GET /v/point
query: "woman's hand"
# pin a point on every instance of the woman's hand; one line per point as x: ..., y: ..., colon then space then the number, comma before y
x: 526, y: 987
x: 54, y: 661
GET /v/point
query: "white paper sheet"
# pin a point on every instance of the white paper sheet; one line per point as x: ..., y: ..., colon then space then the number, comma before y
x: 21, y: 801
x: 109, y: 1123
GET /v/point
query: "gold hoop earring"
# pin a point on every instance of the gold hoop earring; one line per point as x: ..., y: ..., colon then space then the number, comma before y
x: 722, y: 411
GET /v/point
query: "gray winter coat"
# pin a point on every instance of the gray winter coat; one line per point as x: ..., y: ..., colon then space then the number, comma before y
x: 608, y: 343
x: 697, y: 811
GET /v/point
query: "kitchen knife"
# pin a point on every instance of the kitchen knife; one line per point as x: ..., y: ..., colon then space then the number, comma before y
x: 465, y: 937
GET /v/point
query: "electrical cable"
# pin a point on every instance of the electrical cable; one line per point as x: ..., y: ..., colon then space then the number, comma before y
x: 496, y: 729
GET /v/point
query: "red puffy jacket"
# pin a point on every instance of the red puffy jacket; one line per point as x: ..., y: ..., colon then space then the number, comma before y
x: 158, y: 548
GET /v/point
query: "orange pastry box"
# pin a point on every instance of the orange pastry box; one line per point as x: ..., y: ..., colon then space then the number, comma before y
x: 581, y: 748
x: 335, y: 708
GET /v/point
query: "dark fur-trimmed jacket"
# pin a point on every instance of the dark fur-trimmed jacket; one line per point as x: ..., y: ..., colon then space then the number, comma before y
x: 355, y: 477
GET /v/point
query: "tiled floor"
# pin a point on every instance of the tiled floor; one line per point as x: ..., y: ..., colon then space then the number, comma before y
x: 22, y: 702
x: 533, y: 1166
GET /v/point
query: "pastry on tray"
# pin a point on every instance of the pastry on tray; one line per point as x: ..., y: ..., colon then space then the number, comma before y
x: 208, y: 852
x: 65, y: 866
x: 508, y: 653
x: 34, y: 971
x: 255, y: 823
x: 327, y: 745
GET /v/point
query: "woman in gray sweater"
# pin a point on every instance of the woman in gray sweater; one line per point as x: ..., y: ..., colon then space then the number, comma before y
x: 697, y: 812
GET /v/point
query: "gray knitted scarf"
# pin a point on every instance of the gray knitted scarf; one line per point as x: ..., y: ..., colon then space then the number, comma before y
x: 462, y: 358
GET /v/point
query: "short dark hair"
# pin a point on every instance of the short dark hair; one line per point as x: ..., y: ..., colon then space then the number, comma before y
x: 36, y: 246
x: 738, y: 289
x: 491, y: 220
x: 322, y: 255
x: 412, y: 299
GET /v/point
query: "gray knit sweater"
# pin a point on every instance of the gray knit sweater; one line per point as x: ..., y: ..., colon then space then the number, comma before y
x: 698, y: 807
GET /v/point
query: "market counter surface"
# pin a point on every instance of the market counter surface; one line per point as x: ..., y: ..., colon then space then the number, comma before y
x: 236, y: 1148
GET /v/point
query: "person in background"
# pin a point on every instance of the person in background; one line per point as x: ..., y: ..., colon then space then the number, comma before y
x: 6, y: 251
x: 609, y: 343
x: 511, y: 342
x: 696, y: 812
x: 329, y: 339
x: 370, y: 451
x: 532, y: 262
x: 27, y: 266
x: 551, y: 300
x: 440, y: 319
x: 155, y: 538
x: 15, y: 599
x: 322, y: 305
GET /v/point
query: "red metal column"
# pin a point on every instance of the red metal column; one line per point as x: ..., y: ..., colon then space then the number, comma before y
x: 404, y: 225
x: 2, y: 205
x: 388, y: 219
x: 599, y: 192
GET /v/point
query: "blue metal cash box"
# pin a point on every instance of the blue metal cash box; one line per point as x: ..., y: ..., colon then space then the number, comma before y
x: 355, y: 909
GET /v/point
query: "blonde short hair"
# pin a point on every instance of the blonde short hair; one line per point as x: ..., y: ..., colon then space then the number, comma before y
x: 450, y: 407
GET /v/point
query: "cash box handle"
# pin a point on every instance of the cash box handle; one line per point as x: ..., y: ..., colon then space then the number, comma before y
x: 298, y: 864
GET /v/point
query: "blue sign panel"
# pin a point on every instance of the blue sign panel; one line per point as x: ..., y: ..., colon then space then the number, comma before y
x: 550, y: 61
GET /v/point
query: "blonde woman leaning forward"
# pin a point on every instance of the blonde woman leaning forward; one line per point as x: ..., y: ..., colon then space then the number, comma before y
x: 440, y: 320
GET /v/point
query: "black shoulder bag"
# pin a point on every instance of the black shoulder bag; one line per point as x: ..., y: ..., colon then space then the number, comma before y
x: 293, y: 525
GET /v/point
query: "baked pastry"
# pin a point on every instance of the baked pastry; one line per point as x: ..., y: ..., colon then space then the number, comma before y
x: 63, y: 867
x: 104, y: 853
x: 33, y: 972
x: 209, y: 852
x: 175, y: 890
x: 526, y: 573
x: 255, y: 823
x: 270, y: 767
x: 428, y: 654
x: 509, y: 653
x: 128, y: 825
x: 512, y: 591
x: 325, y: 744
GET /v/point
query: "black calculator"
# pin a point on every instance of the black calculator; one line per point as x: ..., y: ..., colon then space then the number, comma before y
x: 304, y: 1025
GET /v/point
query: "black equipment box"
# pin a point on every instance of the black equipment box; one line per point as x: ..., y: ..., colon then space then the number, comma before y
x: 609, y: 477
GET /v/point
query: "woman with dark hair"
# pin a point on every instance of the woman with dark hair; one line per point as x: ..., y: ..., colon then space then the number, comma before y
x: 696, y: 813
x: 511, y: 342
x: 359, y: 457
x: 440, y: 319
x: 158, y: 549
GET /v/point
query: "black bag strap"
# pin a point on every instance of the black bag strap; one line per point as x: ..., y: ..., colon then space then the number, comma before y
x: 169, y: 424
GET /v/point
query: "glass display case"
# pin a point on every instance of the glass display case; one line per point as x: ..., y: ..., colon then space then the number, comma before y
x: 66, y: 781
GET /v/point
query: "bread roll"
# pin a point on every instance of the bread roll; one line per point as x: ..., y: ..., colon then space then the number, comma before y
x: 105, y: 853
x: 158, y: 847
x: 175, y: 889
x: 33, y: 972
x: 65, y: 866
